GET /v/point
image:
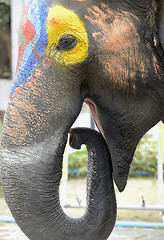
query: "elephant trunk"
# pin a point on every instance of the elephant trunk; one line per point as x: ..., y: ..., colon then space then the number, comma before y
x: 36, y: 207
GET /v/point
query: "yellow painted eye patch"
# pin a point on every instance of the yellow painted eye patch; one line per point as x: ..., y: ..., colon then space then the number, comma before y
x: 61, y: 23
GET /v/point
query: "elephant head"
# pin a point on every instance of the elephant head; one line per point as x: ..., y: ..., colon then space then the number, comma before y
x: 108, y: 54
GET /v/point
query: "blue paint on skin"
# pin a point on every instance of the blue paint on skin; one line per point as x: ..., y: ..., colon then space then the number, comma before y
x: 37, y: 15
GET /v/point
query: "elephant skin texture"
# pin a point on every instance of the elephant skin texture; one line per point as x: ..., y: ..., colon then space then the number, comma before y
x: 108, y: 54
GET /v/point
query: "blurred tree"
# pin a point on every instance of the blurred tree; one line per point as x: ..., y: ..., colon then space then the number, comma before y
x: 4, y: 13
x: 5, y: 39
x: 145, y: 157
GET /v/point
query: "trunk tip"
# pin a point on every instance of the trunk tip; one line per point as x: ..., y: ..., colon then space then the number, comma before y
x: 73, y: 140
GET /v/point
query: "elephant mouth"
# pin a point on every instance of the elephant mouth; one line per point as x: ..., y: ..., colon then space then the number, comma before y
x: 121, y: 157
x: 93, y: 108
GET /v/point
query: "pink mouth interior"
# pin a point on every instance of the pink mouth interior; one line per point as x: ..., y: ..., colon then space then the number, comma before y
x: 93, y: 108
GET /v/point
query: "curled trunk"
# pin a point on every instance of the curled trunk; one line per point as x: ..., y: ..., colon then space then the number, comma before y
x: 33, y: 195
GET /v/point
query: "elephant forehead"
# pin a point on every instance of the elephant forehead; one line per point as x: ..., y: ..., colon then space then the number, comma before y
x: 60, y: 22
x: 120, y: 49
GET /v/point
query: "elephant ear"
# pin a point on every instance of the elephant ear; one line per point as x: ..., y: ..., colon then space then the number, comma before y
x: 157, y: 22
x: 158, y: 6
x: 160, y: 20
x: 161, y: 28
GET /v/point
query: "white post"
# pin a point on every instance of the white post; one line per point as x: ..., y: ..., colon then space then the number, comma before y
x: 160, y: 167
x: 16, y: 14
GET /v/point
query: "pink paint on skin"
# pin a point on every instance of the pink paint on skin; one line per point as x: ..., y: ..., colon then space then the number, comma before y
x: 46, y: 62
x: 17, y: 92
x: 31, y: 80
x: 53, y: 21
x: 28, y: 33
x: 38, y: 73
x: 33, y: 41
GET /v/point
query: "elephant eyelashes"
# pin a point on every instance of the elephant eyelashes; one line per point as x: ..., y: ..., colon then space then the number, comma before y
x: 66, y: 43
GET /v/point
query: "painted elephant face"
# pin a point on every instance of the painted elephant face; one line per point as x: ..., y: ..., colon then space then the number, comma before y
x: 108, y: 54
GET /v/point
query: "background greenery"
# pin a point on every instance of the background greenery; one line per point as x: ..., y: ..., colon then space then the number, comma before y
x: 145, y: 158
x: 5, y: 39
x: 4, y: 13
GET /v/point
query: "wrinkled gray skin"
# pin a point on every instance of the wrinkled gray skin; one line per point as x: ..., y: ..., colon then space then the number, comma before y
x: 122, y: 80
x: 39, y: 213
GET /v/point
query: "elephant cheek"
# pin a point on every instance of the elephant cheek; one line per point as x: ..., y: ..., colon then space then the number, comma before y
x: 14, y: 127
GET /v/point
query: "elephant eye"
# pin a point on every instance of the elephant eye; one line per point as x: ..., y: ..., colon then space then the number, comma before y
x: 66, y: 43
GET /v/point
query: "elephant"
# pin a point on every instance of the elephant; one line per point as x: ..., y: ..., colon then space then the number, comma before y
x: 108, y: 54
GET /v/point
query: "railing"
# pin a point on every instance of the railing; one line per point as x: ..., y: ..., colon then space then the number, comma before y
x: 159, y: 208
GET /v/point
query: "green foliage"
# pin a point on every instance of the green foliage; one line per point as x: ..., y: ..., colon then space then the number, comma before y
x: 5, y: 74
x: 145, y: 158
x: 4, y: 13
x: 79, y: 161
x: 7, y: 2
